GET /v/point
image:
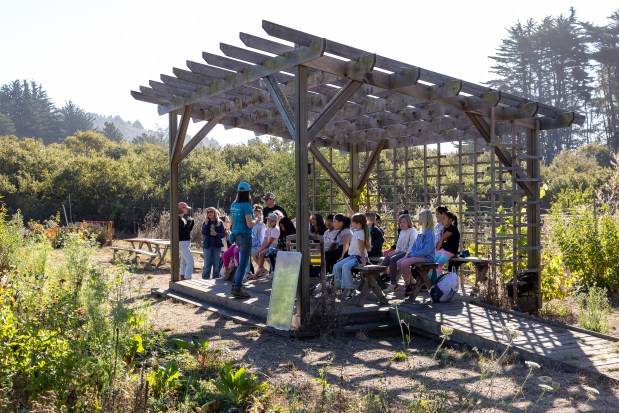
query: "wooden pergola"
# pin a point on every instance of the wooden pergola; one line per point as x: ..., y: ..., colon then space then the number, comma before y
x: 323, y: 94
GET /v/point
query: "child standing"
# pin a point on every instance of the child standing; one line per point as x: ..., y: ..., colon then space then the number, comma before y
x: 357, y: 255
x: 422, y: 250
x: 447, y: 245
x: 257, y: 236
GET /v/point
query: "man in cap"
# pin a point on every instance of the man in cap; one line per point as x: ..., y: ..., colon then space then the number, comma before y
x: 271, y: 206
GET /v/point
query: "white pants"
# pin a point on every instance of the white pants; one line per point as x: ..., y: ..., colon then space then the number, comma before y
x: 186, y: 270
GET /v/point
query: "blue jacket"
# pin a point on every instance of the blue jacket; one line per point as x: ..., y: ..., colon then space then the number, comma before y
x: 210, y: 241
x: 424, y: 246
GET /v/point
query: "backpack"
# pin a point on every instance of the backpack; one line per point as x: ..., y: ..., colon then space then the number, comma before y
x: 445, y: 287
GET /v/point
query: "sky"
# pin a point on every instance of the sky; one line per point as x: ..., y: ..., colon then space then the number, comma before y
x: 95, y: 53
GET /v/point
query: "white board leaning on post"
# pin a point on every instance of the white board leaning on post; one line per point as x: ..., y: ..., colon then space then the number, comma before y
x: 284, y: 290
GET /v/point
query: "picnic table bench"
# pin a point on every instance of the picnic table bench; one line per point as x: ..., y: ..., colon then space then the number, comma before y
x: 370, y: 280
x: 135, y: 252
x: 423, y: 269
x: 481, y: 266
x: 156, y: 246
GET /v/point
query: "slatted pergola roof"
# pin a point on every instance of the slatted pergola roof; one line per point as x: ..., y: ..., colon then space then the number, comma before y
x: 321, y: 93
x: 354, y: 96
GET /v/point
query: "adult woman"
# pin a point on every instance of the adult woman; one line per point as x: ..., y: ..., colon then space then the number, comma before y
x: 242, y: 220
x: 185, y: 225
x: 317, y: 224
x: 213, y: 232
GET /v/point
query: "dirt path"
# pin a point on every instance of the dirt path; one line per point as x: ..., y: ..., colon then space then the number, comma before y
x: 361, y: 364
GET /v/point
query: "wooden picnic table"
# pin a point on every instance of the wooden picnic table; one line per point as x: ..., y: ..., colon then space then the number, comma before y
x: 159, y: 246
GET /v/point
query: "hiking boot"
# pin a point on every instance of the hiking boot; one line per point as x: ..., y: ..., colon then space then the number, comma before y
x: 239, y: 293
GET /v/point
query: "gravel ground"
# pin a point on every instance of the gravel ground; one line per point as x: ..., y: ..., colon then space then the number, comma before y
x: 361, y: 364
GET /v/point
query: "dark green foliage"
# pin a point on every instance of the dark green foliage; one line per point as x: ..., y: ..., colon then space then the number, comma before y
x: 74, y: 119
x: 604, y: 42
x: 31, y: 110
x: 112, y: 132
x: 547, y: 62
x: 7, y: 127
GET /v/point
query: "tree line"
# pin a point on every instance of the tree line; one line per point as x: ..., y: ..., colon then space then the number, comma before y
x: 568, y: 63
x: 95, y: 178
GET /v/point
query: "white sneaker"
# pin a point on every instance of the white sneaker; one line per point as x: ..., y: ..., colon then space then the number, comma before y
x: 389, y: 289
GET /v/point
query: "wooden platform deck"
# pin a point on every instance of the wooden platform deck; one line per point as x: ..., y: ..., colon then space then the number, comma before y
x: 474, y: 324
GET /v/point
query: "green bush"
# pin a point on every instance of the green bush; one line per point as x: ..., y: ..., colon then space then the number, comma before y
x: 588, y: 239
x: 593, y: 309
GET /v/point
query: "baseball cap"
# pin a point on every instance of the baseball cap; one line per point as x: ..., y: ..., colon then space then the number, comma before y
x: 244, y: 186
x: 269, y: 195
x: 183, y: 205
x: 272, y: 217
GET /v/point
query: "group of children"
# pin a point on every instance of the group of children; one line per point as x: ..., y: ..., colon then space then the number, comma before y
x: 347, y: 248
x: 348, y: 242
x: 432, y: 244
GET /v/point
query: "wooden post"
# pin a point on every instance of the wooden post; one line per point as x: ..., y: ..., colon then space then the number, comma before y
x: 354, y: 176
x: 302, y: 210
x: 533, y: 210
x: 174, y: 249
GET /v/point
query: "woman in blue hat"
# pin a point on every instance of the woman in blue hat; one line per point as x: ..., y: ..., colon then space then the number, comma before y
x: 242, y: 218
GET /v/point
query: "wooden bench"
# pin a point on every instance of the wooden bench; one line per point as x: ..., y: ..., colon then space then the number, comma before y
x: 481, y: 266
x: 370, y: 280
x: 137, y: 252
x: 423, y: 269
x: 376, y: 260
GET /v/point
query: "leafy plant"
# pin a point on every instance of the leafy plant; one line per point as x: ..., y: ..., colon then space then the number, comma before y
x: 134, y: 348
x: 399, y: 356
x: 199, y: 348
x: 237, y: 385
x: 593, y: 309
x: 164, y: 379
x: 588, y: 238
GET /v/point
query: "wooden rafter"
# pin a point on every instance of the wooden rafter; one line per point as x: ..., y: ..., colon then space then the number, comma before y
x: 299, y: 56
x: 205, y: 130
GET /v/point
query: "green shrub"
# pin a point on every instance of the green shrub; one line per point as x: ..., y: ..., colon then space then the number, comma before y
x: 593, y: 309
x: 238, y: 386
x: 588, y: 239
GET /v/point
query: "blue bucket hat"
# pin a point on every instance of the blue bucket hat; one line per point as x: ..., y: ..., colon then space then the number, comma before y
x: 243, y: 186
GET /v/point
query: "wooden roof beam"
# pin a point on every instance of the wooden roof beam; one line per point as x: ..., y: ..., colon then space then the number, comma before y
x: 277, y: 64
x: 298, y: 37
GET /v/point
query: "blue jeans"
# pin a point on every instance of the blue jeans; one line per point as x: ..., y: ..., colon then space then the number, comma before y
x: 211, y: 261
x: 342, y: 272
x: 186, y: 268
x: 243, y: 241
